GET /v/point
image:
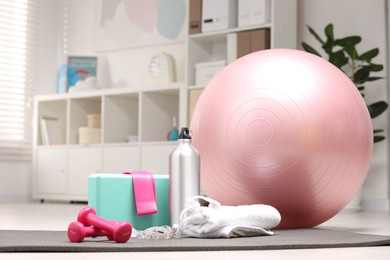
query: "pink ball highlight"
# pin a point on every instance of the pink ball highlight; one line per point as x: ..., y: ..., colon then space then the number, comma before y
x: 284, y: 128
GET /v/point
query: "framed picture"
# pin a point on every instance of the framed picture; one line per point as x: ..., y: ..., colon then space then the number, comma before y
x: 80, y: 68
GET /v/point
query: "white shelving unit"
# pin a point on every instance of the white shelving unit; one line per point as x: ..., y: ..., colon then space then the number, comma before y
x: 61, y: 171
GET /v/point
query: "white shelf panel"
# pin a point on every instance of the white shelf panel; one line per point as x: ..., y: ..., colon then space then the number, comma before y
x: 217, y: 36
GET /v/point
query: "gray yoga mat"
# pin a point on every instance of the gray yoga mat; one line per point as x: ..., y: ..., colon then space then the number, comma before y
x: 57, y: 241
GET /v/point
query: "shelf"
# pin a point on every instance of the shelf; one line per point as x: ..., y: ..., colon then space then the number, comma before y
x: 124, y: 120
x: 110, y: 91
x: 55, y: 109
x: 218, y: 36
x: 196, y: 87
x: 85, y: 146
x: 124, y: 144
x: 164, y: 87
x: 80, y: 108
x: 153, y: 143
x: 158, y: 110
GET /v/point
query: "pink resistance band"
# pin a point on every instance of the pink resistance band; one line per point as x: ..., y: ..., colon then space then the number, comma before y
x: 144, y: 192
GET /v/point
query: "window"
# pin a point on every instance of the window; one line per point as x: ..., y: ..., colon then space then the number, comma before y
x: 18, y: 45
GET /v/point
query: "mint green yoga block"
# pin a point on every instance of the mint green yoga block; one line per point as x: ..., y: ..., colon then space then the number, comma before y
x: 112, y: 196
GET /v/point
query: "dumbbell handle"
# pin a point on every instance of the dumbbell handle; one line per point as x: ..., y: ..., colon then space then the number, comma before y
x: 77, y: 232
x: 102, y: 223
x: 120, y: 232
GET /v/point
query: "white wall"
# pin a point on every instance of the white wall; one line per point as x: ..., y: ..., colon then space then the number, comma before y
x: 367, y: 19
x: 49, y: 44
x: 15, y: 182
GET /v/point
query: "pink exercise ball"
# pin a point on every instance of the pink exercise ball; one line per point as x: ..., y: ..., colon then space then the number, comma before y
x: 284, y: 128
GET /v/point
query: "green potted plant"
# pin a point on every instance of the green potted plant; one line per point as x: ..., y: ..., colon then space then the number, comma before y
x: 358, y: 67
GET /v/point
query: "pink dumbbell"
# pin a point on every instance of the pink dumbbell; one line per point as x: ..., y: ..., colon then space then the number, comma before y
x: 77, y: 232
x: 119, y: 231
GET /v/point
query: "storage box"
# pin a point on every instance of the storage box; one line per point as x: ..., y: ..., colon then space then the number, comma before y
x: 205, y: 71
x: 89, y: 135
x: 218, y: 15
x: 253, y: 12
x: 94, y: 120
x: 112, y: 196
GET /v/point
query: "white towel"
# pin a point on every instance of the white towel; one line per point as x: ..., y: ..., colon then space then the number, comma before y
x: 205, y: 217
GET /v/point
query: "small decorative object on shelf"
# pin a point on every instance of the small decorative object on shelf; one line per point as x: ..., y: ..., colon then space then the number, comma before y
x: 62, y: 78
x: 132, y: 139
x: 94, y: 120
x: 92, y: 133
x: 174, y: 133
x: 161, y: 69
x: 81, y: 69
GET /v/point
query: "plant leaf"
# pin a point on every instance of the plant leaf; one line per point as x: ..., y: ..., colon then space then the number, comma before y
x: 311, y: 30
x: 361, y: 75
x: 374, y: 67
x: 369, y: 55
x: 349, y: 45
x: 378, y: 138
x: 377, y: 108
x: 329, y: 32
x: 338, y: 59
x: 374, y: 78
x: 352, y: 52
x: 310, y: 49
x: 329, y: 44
x: 350, y: 40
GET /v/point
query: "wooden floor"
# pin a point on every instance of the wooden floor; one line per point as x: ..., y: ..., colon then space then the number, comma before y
x: 57, y: 216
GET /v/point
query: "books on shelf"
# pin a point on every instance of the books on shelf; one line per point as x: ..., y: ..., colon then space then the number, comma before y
x: 51, y: 133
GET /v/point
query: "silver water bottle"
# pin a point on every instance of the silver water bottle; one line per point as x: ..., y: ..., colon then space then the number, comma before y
x: 184, y: 174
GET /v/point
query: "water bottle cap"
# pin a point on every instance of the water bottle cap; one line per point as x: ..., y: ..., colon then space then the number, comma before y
x: 185, y: 133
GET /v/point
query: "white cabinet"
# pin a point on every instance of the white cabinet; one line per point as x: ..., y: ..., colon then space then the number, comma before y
x: 119, y: 159
x: 134, y: 130
x: 155, y: 157
x: 136, y: 116
x: 51, y: 169
x: 83, y: 161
